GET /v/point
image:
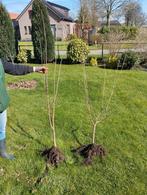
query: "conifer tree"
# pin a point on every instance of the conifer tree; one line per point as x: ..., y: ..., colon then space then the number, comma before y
x: 7, y: 37
x: 43, y: 40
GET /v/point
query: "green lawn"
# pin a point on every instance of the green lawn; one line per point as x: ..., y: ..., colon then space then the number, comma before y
x: 123, y: 135
x: 62, y: 46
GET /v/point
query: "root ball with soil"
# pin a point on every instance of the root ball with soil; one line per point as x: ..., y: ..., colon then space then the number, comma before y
x: 53, y: 156
x: 88, y: 152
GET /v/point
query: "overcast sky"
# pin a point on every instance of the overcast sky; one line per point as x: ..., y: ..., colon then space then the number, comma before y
x: 18, y: 5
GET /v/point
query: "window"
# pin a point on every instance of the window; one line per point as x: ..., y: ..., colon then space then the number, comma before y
x: 68, y: 29
x: 53, y: 29
x: 30, y: 30
x: 30, y: 14
x: 25, y: 29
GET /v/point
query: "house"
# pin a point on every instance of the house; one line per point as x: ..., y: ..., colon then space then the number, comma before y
x: 13, y: 17
x: 62, y: 25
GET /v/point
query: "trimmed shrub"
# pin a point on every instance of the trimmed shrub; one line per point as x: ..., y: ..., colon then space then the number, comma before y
x: 129, y: 59
x: 77, y: 51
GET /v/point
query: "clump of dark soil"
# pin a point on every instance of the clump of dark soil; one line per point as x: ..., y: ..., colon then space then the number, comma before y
x: 23, y: 85
x: 88, y: 152
x: 53, y: 156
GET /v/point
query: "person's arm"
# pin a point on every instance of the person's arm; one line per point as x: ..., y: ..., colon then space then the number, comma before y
x: 13, y: 69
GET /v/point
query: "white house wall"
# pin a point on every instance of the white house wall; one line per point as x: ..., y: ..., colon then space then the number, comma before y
x: 25, y: 21
x: 67, y: 28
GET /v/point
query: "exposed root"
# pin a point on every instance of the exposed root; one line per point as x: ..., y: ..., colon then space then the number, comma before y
x: 53, y: 156
x: 89, y: 151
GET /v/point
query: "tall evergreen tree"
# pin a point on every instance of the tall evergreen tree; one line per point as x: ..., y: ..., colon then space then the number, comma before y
x: 42, y: 37
x: 7, y: 37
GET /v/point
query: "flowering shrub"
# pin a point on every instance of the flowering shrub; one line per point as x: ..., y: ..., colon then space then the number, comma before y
x: 93, y: 62
x: 22, y: 56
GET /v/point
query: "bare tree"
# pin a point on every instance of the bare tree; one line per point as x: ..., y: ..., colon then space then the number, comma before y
x: 83, y: 16
x: 53, y: 155
x: 88, y: 16
x: 133, y: 13
x: 93, y: 16
x: 109, y: 7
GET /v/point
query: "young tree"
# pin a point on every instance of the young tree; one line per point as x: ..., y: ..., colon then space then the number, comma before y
x: 110, y: 6
x: 40, y: 37
x: 44, y: 49
x: 7, y: 38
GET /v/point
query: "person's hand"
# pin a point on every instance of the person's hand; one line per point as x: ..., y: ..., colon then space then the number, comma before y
x: 41, y: 69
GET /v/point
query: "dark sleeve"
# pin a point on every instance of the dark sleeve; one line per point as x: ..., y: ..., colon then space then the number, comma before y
x: 13, y: 69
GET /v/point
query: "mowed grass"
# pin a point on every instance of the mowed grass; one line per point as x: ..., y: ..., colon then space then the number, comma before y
x: 123, y: 134
x: 62, y: 45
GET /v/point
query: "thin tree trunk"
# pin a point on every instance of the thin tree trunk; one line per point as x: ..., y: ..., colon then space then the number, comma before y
x: 108, y: 19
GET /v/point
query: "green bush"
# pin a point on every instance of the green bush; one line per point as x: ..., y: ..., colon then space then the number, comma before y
x: 22, y: 56
x: 130, y: 31
x: 93, y: 62
x: 29, y: 55
x: 77, y: 51
x: 104, y: 30
x: 129, y: 59
x: 133, y: 32
x: 58, y: 39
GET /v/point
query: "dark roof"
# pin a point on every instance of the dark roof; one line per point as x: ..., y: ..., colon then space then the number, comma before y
x: 51, y: 7
x: 112, y: 22
x: 59, y: 6
x: 61, y: 16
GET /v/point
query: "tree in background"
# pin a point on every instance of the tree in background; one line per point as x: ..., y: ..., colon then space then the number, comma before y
x: 42, y: 38
x: 87, y: 17
x: 83, y: 18
x: 7, y: 37
x: 93, y: 16
x: 133, y: 13
x: 109, y: 7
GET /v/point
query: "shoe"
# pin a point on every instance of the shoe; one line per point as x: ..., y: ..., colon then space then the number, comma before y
x: 3, y: 152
